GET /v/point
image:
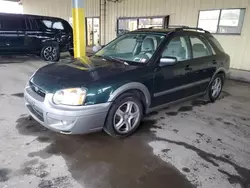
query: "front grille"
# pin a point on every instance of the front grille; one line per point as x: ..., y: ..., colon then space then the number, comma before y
x: 36, y: 111
x: 37, y: 90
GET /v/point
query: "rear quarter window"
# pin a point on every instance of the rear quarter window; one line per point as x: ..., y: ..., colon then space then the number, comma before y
x: 216, y: 43
x: 57, y: 24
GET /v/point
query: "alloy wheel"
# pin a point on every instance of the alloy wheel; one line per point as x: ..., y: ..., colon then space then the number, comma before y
x: 216, y: 87
x: 126, y: 117
x: 50, y: 53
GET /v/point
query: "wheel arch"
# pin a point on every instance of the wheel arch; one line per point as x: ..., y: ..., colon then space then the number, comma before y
x: 133, y: 87
x: 220, y: 70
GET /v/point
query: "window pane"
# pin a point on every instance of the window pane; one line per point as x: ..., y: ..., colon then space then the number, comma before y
x: 231, y: 21
x: 150, y: 22
x: 47, y: 23
x: 58, y: 25
x: 200, y: 49
x: 216, y: 43
x: 157, y: 21
x: 144, y: 23
x: 125, y: 25
x: 177, y: 48
x: 208, y: 20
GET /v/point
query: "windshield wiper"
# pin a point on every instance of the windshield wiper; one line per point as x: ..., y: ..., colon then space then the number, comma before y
x: 113, y: 58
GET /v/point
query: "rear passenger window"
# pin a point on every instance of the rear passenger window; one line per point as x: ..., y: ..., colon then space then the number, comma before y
x: 177, y: 48
x: 200, y: 48
x: 47, y: 23
x: 34, y: 25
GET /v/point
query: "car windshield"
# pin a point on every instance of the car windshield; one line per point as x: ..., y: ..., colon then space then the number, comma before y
x: 134, y: 47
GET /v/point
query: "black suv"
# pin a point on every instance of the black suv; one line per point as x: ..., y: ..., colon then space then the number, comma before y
x: 137, y: 73
x: 29, y: 34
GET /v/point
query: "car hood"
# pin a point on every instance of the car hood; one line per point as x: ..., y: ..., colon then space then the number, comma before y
x: 80, y: 72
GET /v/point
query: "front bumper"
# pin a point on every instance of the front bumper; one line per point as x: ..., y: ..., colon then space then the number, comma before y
x: 65, y: 119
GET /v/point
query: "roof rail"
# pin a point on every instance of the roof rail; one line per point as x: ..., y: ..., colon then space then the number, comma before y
x: 176, y: 28
x: 182, y: 27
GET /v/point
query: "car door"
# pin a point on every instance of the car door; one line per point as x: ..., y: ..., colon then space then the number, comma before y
x: 202, y: 66
x: 33, y: 35
x: 24, y: 42
x: 171, y: 82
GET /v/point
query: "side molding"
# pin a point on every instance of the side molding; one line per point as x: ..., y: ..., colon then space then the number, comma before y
x: 129, y: 86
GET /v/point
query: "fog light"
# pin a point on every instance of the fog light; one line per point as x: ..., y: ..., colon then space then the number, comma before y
x: 64, y: 122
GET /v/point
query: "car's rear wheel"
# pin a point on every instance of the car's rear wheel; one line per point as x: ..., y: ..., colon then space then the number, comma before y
x: 215, y: 88
x: 124, y: 116
x: 50, y: 52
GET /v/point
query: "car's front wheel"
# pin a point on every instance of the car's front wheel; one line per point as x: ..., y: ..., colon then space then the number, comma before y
x: 215, y: 88
x: 124, y: 116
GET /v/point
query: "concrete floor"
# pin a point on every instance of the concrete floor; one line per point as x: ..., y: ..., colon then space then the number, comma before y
x: 193, y: 144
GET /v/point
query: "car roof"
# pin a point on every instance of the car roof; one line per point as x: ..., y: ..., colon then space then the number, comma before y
x: 29, y: 15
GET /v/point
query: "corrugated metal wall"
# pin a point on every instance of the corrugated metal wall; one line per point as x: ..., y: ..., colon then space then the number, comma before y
x: 59, y: 8
x: 182, y: 12
x: 185, y: 12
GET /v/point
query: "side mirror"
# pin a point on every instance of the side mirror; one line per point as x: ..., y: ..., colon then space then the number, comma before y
x: 164, y: 61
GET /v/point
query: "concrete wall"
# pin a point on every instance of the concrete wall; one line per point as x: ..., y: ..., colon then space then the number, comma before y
x: 182, y: 12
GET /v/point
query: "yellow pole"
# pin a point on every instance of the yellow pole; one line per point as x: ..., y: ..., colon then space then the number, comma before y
x: 78, y: 15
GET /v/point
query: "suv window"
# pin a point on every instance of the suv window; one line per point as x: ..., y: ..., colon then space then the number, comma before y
x: 47, y: 23
x: 53, y: 24
x: 14, y: 23
x: 178, y: 48
x: 58, y: 25
x: 199, y: 47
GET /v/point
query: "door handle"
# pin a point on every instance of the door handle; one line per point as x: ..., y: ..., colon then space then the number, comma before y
x: 214, y: 62
x: 188, y: 68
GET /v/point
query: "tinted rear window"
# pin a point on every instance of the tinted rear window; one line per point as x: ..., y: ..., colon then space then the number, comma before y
x: 216, y: 43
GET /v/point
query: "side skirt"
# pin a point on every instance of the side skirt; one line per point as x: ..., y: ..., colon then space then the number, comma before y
x: 175, y: 102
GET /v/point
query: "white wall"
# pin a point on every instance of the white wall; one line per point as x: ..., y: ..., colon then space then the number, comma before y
x: 59, y: 8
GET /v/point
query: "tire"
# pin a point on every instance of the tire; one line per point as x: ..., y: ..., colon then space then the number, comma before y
x: 50, y: 52
x: 122, y: 119
x: 215, y: 87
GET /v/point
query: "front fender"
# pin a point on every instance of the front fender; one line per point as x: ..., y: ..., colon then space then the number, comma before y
x: 131, y: 86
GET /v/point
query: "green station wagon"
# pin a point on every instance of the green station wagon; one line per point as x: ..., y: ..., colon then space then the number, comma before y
x: 137, y: 73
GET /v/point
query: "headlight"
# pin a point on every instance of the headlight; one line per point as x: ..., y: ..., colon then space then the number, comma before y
x: 71, y: 96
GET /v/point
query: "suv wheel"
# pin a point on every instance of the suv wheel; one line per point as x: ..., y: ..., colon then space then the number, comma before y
x: 50, y: 52
x: 215, y: 88
x: 124, y: 116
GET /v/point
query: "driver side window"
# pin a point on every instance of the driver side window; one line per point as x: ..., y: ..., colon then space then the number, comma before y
x: 178, y: 48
